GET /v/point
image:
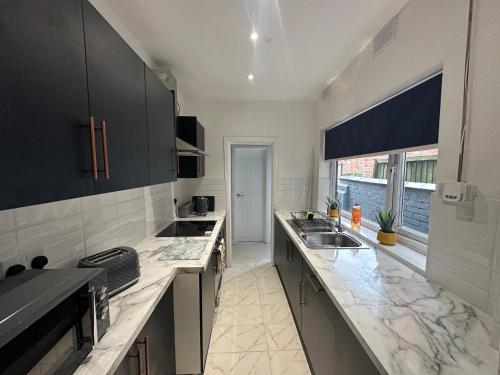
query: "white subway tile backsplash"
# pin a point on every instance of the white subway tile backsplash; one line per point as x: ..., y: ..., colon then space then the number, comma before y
x: 7, y: 221
x: 8, y: 245
x: 128, y: 207
x: 96, y: 201
x: 126, y: 195
x: 41, y: 213
x: 68, y: 230
x: 45, y: 234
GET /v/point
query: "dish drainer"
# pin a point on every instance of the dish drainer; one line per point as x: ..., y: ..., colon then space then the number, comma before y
x: 319, y: 223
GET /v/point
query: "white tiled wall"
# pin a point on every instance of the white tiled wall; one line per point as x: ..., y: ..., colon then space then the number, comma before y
x: 461, y: 255
x: 68, y: 230
x: 291, y: 192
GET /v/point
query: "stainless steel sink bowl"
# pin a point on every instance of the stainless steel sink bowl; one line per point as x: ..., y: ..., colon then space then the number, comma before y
x: 330, y: 240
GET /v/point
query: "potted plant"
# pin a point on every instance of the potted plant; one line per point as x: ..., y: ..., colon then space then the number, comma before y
x: 385, y: 220
x: 332, y: 206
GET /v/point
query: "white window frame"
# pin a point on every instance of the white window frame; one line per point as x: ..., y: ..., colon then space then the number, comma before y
x: 394, y: 199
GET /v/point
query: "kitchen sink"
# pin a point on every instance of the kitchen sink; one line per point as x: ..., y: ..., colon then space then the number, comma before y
x: 330, y: 240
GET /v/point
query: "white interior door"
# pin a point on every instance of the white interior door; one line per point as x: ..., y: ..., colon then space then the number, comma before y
x: 249, y: 173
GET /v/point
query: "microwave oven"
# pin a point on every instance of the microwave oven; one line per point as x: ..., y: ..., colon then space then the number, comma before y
x: 50, y: 319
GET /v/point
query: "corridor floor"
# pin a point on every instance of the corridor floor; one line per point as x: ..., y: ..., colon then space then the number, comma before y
x: 254, y: 332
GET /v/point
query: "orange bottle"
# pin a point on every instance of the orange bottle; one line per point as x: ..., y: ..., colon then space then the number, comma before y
x: 356, y: 216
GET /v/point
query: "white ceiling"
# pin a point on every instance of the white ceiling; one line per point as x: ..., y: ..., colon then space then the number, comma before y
x: 302, y: 43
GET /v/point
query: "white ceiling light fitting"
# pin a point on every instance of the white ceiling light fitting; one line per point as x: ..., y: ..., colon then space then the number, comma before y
x: 254, y: 36
x: 250, y: 77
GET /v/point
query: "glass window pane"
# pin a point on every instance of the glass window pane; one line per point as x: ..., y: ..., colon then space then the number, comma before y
x: 420, y: 172
x: 363, y: 181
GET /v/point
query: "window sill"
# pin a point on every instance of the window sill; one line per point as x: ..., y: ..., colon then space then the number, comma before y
x: 406, y: 255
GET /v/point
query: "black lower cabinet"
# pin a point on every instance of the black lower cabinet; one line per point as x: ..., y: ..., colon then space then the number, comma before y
x: 317, y: 330
x: 295, y: 283
x: 207, y: 305
x: 153, y: 352
x: 281, y: 249
x: 330, y: 345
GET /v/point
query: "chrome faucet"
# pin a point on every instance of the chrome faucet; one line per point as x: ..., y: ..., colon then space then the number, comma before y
x: 339, y: 226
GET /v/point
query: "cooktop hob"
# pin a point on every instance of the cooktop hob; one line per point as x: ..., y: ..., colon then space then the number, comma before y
x: 195, y: 228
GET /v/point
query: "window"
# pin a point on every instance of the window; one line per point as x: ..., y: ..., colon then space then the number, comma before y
x: 363, y: 181
x: 419, y: 183
x: 400, y: 182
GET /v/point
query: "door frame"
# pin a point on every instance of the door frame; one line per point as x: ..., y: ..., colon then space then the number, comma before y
x: 248, y: 141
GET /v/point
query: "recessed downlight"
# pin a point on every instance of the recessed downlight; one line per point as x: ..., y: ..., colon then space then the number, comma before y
x: 254, y: 36
x: 250, y: 77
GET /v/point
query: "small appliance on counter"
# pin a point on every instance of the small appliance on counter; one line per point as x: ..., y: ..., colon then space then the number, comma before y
x: 200, y: 206
x: 51, y: 319
x: 211, y: 201
x: 185, y: 210
x: 121, y: 264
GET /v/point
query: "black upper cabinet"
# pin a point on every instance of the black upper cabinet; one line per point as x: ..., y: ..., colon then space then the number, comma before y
x: 191, y: 166
x: 191, y: 131
x: 44, y: 151
x: 116, y: 88
x: 161, y: 131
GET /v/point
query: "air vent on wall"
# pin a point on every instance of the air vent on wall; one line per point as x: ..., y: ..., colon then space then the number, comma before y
x: 386, y: 35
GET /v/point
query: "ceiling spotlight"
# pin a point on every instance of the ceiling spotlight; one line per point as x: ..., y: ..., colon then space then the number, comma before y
x: 254, y: 36
x: 250, y: 77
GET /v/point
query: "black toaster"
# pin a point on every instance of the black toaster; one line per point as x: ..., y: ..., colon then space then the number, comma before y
x: 121, y: 263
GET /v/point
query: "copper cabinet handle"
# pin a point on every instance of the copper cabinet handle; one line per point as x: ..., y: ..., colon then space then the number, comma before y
x: 93, y: 148
x: 104, y: 135
x: 137, y: 354
x: 145, y: 342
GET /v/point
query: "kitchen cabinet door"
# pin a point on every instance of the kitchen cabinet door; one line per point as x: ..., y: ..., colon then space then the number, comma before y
x: 281, y: 253
x: 154, y: 347
x: 117, y: 98
x: 44, y: 150
x: 191, y: 166
x: 318, y: 331
x: 207, y: 305
x: 161, y: 131
x: 295, y: 283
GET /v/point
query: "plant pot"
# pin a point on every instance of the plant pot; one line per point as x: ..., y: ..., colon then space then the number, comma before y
x: 387, y: 238
x: 333, y: 212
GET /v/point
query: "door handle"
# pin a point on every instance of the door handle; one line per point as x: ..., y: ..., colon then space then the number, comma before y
x: 316, y: 288
x: 104, y: 135
x: 145, y: 342
x: 288, y: 250
x: 240, y: 195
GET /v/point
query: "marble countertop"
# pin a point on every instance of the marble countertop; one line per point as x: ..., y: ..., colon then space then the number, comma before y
x: 406, y: 323
x: 131, y: 308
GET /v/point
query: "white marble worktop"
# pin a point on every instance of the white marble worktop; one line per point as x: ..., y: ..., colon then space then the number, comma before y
x: 131, y: 308
x: 406, y: 323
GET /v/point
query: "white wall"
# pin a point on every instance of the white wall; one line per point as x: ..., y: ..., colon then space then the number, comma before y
x: 109, y: 14
x: 290, y: 121
x: 433, y: 34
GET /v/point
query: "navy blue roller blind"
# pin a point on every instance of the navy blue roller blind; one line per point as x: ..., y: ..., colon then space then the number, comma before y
x: 409, y: 119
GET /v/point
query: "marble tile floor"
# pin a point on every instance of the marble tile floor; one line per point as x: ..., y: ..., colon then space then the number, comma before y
x: 254, y: 332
